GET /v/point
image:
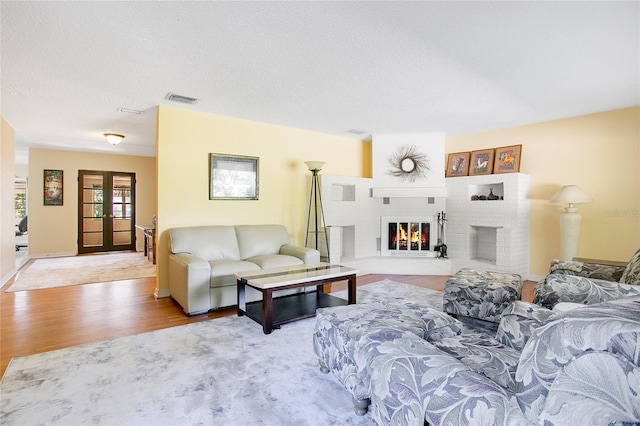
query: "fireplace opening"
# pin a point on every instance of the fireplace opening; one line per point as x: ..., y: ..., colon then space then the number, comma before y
x: 409, y: 236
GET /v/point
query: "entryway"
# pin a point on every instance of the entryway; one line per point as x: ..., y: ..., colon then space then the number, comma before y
x: 106, y: 211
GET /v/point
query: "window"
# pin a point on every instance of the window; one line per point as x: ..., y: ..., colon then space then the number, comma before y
x: 20, y: 198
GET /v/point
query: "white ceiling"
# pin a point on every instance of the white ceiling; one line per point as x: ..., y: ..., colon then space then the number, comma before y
x: 380, y: 67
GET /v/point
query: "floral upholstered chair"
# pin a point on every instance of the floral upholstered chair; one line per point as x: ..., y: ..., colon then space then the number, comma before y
x: 587, y: 283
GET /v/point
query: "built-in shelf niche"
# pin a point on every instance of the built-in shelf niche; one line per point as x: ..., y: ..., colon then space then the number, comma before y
x: 341, y: 192
x: 483, y: 241
x: 485, y: 189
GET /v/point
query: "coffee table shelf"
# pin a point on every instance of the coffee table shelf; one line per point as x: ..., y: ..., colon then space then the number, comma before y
x: 293, y: 307
x: 271, y: 312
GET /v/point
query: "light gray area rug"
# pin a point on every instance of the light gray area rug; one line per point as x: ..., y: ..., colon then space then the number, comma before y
x: 219, y: 372
x: 75, y: 270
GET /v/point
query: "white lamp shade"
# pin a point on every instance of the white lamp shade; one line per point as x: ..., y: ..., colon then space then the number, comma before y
x: 571, y: 194
x: 113, y: 138
x: 314, y: 165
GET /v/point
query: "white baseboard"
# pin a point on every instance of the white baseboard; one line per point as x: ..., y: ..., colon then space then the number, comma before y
x: 48, y: 255
x: 399, y: 265
x: 162, y: 293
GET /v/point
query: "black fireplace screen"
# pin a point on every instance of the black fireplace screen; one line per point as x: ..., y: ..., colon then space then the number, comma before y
x: 409, y: 236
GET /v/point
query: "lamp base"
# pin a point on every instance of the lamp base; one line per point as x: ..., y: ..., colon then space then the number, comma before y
x: 570, y: 222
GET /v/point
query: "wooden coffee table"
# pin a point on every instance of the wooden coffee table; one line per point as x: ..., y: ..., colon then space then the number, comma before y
x: 272, y: 312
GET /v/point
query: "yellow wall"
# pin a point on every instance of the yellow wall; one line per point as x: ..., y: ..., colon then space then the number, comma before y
x: 7, y: 207
x: 53, y: 230
x: 185, y: 139
x: 598, y: 152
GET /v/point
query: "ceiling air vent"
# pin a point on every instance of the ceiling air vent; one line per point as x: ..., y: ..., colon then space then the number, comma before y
x: 180, y: 98
x: 355, y: 132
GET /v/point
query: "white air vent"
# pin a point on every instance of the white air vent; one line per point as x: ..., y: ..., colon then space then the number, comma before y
x: 130, y: 111
x: 180, y: 98
x: 355, y: 132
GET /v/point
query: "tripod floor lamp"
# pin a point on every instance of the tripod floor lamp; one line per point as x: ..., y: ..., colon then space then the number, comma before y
x: 315, y: 207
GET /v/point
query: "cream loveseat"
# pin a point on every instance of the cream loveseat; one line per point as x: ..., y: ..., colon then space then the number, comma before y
x: 203, y: 259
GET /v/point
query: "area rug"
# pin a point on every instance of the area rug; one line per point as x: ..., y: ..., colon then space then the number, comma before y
x: 98, y: 268
x: 219, y: 372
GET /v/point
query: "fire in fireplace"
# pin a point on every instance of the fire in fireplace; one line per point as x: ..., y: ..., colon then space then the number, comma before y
x: 409, y: 236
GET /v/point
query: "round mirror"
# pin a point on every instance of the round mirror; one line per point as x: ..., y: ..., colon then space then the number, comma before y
x: 407, y: 165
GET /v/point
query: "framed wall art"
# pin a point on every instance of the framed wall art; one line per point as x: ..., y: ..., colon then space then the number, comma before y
x: 481, y: 162
x: 457, y: 164
x: 507, y: 159
x: 233, y: 177
x: 53, y: 187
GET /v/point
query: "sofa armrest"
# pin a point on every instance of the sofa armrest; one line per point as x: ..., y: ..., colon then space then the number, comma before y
x: 189, y: 278
x: 559, y: 287
x: 547, y: 358
x: 308, y: 255
x: 587, y: 270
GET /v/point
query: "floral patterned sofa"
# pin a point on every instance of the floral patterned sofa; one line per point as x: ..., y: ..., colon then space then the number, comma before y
x: 417, y: 365
x: 571, y: 281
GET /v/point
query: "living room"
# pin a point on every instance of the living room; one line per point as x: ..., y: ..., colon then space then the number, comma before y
x: 595, y: 148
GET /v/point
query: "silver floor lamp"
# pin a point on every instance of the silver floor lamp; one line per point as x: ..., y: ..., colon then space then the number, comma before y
x: 315, y: 199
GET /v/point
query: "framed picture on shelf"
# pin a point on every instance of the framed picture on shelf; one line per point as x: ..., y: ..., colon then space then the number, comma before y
x: 507, y: 159
x: 53, y: 187
x: 481, y: 162
x: 233, y: 177
x: 457, y: 164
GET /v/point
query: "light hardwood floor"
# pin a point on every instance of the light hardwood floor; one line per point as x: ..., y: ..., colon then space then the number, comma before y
x: 38, y: 321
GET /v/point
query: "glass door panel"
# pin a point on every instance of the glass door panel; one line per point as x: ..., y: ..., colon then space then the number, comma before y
x: 122, y: 223
x: 92, y: 210
x: 107, y: 211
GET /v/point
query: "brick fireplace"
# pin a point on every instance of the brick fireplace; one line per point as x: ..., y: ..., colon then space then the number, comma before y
x: 362, y: 215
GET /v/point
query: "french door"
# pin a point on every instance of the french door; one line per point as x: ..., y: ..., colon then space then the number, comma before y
x: 106, y: 211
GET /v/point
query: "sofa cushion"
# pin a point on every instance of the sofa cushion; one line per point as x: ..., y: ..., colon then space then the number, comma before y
x: 342, y: 331
x: 518, y: 322
x: 257, y: 240
x: 206, y: 242
x: 222, y: 271
x: 413, y: 382
x: 274, y: 261
x: 631, y: 274
x: 483, y: 355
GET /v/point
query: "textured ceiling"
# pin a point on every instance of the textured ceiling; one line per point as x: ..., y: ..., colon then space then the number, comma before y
x: 380, y: 67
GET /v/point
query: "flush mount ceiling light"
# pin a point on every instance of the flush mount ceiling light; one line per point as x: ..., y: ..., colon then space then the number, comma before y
x: 114, y: 138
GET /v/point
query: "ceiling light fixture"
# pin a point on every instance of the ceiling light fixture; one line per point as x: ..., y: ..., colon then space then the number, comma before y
x: 114, y: 138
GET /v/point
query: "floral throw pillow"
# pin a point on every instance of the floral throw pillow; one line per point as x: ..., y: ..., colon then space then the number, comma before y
x: 631, y: 274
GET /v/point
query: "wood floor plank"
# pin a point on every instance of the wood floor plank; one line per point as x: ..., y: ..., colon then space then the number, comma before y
x: 38, y: 321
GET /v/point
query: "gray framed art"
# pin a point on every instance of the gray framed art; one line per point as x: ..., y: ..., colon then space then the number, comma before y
x: 233, y: 177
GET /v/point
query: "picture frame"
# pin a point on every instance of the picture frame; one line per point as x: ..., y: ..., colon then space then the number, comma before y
x: 507, y: 159
x: 457, y: 164
x: 53, y: 187
x: 481, y: 162
x: 233, y: 177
